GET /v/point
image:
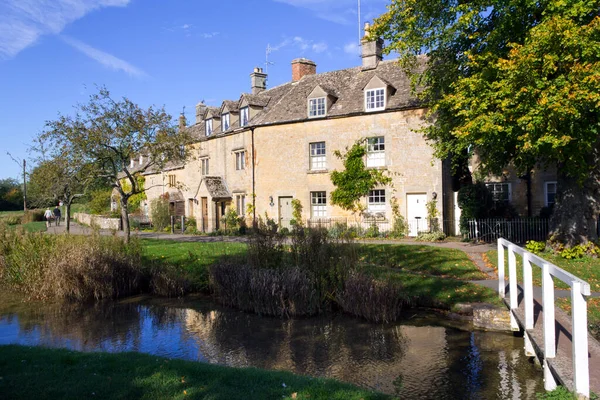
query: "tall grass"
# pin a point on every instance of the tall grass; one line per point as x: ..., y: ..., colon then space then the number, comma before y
x: 80, y: 268
x: 312, y: 274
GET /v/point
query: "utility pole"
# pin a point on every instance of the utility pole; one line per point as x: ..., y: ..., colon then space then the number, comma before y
x: 24, y: 187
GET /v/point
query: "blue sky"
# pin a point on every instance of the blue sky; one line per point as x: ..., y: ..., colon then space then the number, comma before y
x: 174, y: 53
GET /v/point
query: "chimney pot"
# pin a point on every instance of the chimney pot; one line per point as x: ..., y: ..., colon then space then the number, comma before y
x: 302, y: 67
x: 258, y: 80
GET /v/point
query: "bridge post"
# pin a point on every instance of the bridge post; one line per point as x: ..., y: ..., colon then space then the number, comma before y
x: 548, y: 307
x: 528, y: 291
x: 501, y: 282
x: 512, y: 282
x: 581, y: 373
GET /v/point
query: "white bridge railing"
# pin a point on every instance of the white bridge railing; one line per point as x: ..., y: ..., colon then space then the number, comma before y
x: 579, y: 289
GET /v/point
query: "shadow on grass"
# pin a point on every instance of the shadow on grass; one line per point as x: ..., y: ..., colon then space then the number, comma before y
x: 49, y: 374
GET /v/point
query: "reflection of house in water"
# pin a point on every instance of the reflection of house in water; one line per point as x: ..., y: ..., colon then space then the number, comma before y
x: 412, y: 361
x: 347, y: 349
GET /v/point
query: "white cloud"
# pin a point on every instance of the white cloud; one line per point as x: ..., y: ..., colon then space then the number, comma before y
x: 352, y: 48
x: 319, y: 47
x: 209, y: 35
x: 108, y: 60
x: 300, y: 43
x: 23, y: 22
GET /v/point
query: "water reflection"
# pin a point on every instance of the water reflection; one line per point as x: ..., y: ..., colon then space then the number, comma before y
x: 422, y: 358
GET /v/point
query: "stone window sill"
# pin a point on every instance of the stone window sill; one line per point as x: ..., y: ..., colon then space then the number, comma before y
x: 317, y: 171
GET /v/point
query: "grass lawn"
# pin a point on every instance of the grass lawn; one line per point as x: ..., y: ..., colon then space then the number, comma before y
x: 586, y: 268
x: 194, y: 257
x: 31, y: 226
x: 436, y: 275
x: 428, y: 273
x: 11, y: 213
x: 41, y: 373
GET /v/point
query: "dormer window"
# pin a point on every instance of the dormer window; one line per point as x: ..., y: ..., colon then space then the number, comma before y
x: 208, y: 125
x: 225, y: 122
x: 316, y: 107
x: 244, y: 116
x: 375, y: 99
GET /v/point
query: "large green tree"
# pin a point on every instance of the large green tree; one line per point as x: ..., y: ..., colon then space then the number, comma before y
x: 517, y: 82
x: 106, y: 134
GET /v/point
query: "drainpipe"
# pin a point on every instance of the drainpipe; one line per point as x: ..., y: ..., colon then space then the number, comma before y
x: 253, y: 183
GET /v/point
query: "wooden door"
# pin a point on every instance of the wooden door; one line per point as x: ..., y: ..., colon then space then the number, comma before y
x: 285, y: 212
x: 204, y: 214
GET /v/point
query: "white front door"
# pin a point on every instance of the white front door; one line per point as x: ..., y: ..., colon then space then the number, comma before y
x: 416, y: 213
x: 456, y: 215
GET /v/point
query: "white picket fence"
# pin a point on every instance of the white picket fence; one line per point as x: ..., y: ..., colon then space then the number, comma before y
x: 579, y: 289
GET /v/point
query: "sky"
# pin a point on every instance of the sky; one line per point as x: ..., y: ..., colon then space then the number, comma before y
x: 55, y: 53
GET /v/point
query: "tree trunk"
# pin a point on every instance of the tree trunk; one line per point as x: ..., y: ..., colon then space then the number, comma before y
x: 68, y: 215
x: 576, y: 210
x: 125, y: 218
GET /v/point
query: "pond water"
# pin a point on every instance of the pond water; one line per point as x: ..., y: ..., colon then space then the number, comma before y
x: 424, y: 357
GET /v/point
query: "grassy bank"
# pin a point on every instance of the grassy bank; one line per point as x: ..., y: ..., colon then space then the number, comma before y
x: 52, y: 374
x: 586, y: 268
x: 434, y: 276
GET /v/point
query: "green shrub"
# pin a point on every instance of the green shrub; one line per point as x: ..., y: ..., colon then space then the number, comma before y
x: 232, y: 222
x: 372, y: 231
x: 535, y: 246
x: 474, y: 202
x: 33, y: 216
x: 99, y: 203
x: 560, y: 393
x: 399, y: 227
x: 435, y: 236
x: 160, y: 214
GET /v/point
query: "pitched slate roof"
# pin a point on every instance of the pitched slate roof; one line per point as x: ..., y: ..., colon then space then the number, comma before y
x: 216, y: 186
x: 287, y: 102
x: 232, y: 106
x: 347, y: 85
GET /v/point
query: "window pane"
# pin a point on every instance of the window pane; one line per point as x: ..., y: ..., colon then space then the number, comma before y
x: 318, y: 159
x: 318, y: 204
x: 375, y: 99
x: 376, y: 201
x: 376, y: 151
x: 244, y: 116
x: 500, y: 191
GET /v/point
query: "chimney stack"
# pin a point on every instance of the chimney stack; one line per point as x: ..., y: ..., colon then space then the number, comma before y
x: 182, y: 122
x: 200, y: 108
x: 258, y: 80
x: 302, y: 67
x: 372, y: 50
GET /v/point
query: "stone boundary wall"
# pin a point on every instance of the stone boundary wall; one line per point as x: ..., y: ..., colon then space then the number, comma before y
x: 95, y: 220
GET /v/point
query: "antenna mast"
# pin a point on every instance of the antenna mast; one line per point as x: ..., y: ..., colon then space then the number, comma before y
x: 359, y: 27
x: 267, y: 62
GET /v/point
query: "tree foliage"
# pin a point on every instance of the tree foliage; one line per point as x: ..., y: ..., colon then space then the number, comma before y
x: 107, y: 134
x: 355, y: 181
x: 517, y: 82
x: 11, y: 195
